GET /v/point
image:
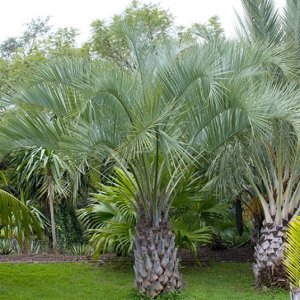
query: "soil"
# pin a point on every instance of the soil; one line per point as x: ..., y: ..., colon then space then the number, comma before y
x: 43, y: 258
x: 205, y: 254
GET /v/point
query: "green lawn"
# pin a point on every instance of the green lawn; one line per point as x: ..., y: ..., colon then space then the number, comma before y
x: 87, y: 281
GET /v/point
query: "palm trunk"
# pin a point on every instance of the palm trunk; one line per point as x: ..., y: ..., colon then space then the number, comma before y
x: 268, y: 258
x: 156, y: 261
x: 50, y: 198
x: 295, y: 294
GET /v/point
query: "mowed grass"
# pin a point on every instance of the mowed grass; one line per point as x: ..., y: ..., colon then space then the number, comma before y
x: 66, y: 281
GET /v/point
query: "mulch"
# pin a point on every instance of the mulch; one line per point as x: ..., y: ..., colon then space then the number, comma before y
x: 205, y: 254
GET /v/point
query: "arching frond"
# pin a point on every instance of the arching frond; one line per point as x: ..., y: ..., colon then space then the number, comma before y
x: 14, y: 212
x: 291, y: 253
x: 261, y: 20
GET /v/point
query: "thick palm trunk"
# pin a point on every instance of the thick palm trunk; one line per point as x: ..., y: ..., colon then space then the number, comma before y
x: 156, y: 261
x: 268, y: 258
x: 50, y: 198
x: 295, y: 294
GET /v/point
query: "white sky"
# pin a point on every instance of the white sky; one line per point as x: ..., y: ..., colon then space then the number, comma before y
x: 80, y: 13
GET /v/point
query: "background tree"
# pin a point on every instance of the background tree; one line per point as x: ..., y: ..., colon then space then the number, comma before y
x: 38, y: 42
x: 111, y: 44
x: 210, y: 31
x: 40, y: 173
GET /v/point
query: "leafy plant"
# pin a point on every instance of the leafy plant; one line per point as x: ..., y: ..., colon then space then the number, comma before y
x: 226, y: 233
x: 110, y: 219
x: 79, y: 249
x: 6, y: 247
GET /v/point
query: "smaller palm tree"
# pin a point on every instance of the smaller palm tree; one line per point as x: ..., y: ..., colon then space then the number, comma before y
x: 40, y: 171
x: 292, y: 257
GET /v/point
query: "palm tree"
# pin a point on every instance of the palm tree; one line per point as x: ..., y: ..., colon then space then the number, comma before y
x: 155, y: 121
x: 263, y: 22
x: 269, y: 171
x: 39, y: 171
x: 276, y: 163
x: 292, y: 258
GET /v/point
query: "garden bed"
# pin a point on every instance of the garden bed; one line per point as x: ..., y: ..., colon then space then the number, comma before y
x: 43, y: 258
x: 206, y: 254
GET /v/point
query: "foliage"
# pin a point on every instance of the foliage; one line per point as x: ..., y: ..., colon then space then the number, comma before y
x: 157, y: 107
x: 69, y: 229
x: 261, y: 20
x: 278, y: 154
x: 38, y: 37
x: 141, y: 118
x: 79, y: 249
x: 109, y: 42
x: 32, y: 166
x: 110, y: 219
x: 6, y: 247
x: 291, y: 253
x: 38, y: 43
x: 209, y: 32
x: 21, y: 243
x: 14, y: 213
x: 226, y: 234
x: 42, y: 176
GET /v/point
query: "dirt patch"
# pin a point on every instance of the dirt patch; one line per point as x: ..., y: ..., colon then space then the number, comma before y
x: 43, y: 258
x: 244, y: 254
x: 205, y: 255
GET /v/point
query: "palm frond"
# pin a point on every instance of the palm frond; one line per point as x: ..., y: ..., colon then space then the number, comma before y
x: 14, y: 212
x: 291, y: 253
x: 291, y: 20
x: 261, y: 20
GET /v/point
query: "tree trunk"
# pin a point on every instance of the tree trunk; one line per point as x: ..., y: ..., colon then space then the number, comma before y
x: 156, y: 261
x: 268, y: 258
x: 295, y: 294
x: 50, y: 198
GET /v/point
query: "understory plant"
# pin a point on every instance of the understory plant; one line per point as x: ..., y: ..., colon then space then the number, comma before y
x: 110, y: 218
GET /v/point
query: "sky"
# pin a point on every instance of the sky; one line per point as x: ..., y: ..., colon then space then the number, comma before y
x: 79, y: 14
